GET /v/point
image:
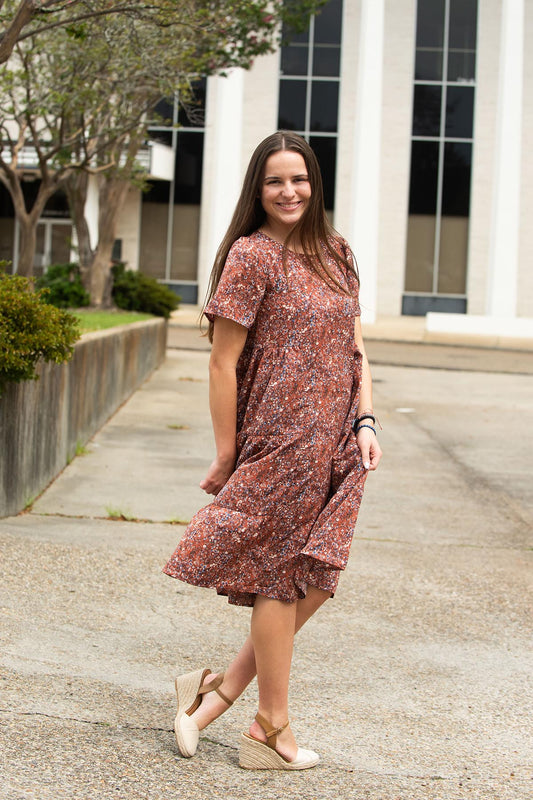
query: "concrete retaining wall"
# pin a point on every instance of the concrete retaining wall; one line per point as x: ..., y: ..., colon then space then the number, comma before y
x: 42, y: 422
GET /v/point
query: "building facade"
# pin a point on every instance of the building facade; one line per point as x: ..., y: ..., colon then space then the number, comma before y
x: 421, y: 115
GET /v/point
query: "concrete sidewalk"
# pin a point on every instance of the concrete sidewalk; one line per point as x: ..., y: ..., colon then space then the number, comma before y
x: 414, y: 683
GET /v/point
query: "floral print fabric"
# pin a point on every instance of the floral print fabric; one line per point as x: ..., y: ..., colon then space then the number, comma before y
x: 285, y: 518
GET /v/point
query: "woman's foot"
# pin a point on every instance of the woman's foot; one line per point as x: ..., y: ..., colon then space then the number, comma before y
x: 285, y: 742
x: 195, y: 708
x: 213, y: 704
x: 267, y: 747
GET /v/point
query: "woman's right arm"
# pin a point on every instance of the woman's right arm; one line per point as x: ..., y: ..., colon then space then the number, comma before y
x: 229, y: 339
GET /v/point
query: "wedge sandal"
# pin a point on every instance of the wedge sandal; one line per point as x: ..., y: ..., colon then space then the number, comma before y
x: 189, y: 692
x: 254, y: 754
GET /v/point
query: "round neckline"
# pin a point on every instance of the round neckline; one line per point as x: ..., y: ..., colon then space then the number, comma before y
x: 280, y: 244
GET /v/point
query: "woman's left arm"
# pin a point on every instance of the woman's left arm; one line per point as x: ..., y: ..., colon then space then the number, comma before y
x: 366, y: 439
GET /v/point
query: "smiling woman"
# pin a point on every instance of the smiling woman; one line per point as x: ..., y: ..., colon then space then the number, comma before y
x: 285, y: 193
x: 291, y: 405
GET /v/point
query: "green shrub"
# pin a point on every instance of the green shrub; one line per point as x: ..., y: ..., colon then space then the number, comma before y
x: 65, y: 289
x: 30, y: 330
x: 135, y: 291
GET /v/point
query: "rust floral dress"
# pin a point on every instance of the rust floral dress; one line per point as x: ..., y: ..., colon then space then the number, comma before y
x: 285, y: 518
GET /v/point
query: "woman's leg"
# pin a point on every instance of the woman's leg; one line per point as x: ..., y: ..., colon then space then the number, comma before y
x: 273, y: 627
x: 242, y: 669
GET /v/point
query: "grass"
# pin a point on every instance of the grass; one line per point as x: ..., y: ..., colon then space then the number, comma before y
x: 99, y: 320
x: 119, y: 514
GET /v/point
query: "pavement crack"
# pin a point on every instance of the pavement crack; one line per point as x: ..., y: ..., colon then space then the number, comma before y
x: 112, y: 518
x: 81, y: 720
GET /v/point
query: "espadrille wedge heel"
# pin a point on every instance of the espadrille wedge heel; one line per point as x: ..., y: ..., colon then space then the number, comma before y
x: 254, y: 754
x: 189, y: 691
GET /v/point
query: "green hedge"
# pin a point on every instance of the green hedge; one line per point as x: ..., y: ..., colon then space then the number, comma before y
x: 30, y: 330
x: 135, y: 291
x: 65, y: 289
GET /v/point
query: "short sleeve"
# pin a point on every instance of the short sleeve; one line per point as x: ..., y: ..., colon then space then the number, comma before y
x: 242, y: 284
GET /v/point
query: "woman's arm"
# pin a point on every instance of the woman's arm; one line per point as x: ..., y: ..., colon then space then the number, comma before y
x: 366, y: 439
x: 228, y: 341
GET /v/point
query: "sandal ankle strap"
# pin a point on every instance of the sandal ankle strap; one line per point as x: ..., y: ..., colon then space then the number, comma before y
x: 270, y: 732
x: 213, y: 686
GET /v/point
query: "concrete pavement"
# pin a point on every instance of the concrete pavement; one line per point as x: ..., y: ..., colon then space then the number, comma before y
x: 414, y: 683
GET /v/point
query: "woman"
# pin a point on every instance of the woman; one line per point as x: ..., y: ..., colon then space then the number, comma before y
x: 291, y: 406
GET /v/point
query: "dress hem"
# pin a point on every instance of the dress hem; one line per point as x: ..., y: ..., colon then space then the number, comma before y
x: 245, y: 596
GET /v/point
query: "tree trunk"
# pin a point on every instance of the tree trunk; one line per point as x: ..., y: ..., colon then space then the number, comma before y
x: 28, y: 242
x: 112, y: 195
x: 12, y: 30
x: 76, y: 187
x: 27, y: 220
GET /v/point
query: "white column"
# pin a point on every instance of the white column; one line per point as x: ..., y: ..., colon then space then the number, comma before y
x: 367, y: 146
x: 503, y: 255
x: 222, y: 167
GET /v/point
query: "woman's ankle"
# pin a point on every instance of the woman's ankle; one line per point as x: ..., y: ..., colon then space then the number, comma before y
x: 212, y: 705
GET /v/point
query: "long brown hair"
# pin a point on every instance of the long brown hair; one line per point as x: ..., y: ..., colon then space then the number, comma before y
x: 313, y: 231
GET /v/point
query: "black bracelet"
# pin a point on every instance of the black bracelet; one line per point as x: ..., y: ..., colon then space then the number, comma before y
x: 365, y: 426
x: 366, y: 416
x: 357, y: 420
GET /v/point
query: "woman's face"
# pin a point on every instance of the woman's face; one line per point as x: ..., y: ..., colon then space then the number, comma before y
x: 285, y: 191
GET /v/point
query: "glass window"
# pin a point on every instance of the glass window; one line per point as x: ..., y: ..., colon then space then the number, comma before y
x: 156, y: 192
x: 191, y: 113
x: 326, y: 61
x: 430, y: 23
x: 188, y: 173
x: 426, y: 110
x: 325, y: 149
x: 461, y: 66
x: 441, y: 156
x: 163, y: 137
x: 428, y: 66
x: 424, y: 177
x: 463, y: 24
x: 294, y: 60
x: 292, y: 99
x: 453, y: 251
x: 459, y: 112
x: 328, y: 23
x: 309, y: 88
x: 456, y: 179
x: 420, y: 253
x: 288, y: 35
x: 324, y: 106
x: 6, y: 203
x: 163, y: 112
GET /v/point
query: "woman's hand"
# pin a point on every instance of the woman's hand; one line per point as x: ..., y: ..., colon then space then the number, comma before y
x: 218, y: 475
x: 369, y: 446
